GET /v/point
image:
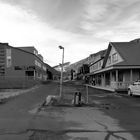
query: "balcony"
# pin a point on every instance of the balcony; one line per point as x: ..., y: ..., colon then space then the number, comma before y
x: 2, y: 64
x: 2, y: 60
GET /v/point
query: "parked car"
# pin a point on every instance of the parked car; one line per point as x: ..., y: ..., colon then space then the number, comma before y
x: 134, y: 89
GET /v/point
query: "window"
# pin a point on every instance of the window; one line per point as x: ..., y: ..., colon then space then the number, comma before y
x: 9, y: 62
x: 35, y: 52
x: 37, y: 63
x: 109, y: 60
x: 100, y: 64
x: 115, y: 57
x: 8, y: 52
x: 44, y: 68
x: 8, y: 58
x: 18, y: 68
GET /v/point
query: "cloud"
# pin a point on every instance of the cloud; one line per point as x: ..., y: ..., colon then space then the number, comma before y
x: 81, y: 26
x: 62, y: 14
x: 19, y: 27
x: 112, y: 19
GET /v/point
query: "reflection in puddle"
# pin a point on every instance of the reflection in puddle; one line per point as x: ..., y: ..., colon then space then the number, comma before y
x: 33, y: 111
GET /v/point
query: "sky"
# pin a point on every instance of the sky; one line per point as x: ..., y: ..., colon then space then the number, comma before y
x: 82, y: 27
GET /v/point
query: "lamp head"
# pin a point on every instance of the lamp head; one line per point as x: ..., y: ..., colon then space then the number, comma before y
x: 60, y: 47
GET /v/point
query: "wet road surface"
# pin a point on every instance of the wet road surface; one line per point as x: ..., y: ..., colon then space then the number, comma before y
x: 108, y: 116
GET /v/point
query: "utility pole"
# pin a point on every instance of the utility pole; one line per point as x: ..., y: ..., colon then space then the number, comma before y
x: 61, y: 79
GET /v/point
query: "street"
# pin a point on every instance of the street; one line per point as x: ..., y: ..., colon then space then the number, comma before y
x: 108, y: 116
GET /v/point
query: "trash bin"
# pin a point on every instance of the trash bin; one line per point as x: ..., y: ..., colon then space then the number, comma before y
x: 77, y: 98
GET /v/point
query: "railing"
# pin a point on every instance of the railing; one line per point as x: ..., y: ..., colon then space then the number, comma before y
x: 2, y: 54
x: 113, y: 86
x: 120, y: 85
x: 17, y: 82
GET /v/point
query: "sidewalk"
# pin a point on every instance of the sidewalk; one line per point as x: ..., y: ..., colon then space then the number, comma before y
x: 101, y: 88
x: 8, y: 93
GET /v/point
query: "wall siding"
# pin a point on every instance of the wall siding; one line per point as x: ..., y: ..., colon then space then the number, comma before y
x: 113, y: 50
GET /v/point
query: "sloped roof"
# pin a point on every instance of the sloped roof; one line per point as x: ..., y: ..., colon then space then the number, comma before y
x: 102, y: 53
x: 65, y: 64
x: 48, y: 66
x: 129, y: 51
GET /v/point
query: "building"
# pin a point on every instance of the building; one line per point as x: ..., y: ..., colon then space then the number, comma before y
x: 52, y: 73
x: 95, y: 65
x: 65, y: 66
x: 21, y: 67
x: 79, y: 69
x: 58, y: 70
x: 76, y: 68
x: 118, y: 67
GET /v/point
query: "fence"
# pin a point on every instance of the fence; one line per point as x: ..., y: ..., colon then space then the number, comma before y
x: 17, y: 82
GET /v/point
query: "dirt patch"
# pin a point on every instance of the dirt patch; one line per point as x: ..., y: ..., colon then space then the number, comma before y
x: 48, y: 135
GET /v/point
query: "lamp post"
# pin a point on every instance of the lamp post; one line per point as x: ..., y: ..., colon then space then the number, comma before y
x: 61, y: 79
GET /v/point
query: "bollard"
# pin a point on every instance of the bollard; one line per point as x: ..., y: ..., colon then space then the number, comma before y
x: 77, y: 99
x: 87, y: 93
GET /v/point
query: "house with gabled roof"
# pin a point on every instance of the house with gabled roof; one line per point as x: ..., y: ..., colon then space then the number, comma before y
x: 120, y: 67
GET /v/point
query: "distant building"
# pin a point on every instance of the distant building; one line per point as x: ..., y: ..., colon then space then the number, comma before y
x: 74, y: 69
x: 65, y: 66
x: 96, y: 65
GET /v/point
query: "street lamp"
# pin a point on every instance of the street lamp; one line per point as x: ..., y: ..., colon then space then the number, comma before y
x: 61, y: 80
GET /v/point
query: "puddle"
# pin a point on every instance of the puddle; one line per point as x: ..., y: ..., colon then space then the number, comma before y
x: 3, y: 101
x: 105, y: 105
x: 33, y: 111
x: 48, y: 135
x: 136, y: 105
x: 109, y: 106
x: 106, y: 96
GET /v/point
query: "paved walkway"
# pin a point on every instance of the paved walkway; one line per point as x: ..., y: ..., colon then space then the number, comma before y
x: 78, y: 123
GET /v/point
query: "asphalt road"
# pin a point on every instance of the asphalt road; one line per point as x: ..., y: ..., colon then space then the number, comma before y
x: 108, y: 116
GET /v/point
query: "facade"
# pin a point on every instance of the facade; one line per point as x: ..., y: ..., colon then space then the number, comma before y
x: 94, y: 66
x: 21, y: 67
x: 52, y: 73
x: 118, y: 67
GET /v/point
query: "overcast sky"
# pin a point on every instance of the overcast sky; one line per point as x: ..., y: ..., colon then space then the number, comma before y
x: 82, y: 27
